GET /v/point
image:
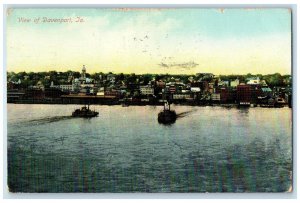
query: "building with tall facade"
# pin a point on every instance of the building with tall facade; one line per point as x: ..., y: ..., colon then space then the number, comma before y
x: 82, y: 78
x: 244, y: 94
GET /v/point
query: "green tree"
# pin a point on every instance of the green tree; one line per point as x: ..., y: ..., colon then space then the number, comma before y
x: 274, y: 79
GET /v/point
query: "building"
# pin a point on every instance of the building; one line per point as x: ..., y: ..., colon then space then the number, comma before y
x: 211, y: 87
x: 82, y: 79
x: 244, y: 94
x: 195, y: 89
x: 191, y: 79
x: 87, y: 88
x: 12, y: 85
x: 215, y: 97
x: 224, y: 95
x: 234, y: 83
x: 172, y: 89
x: 146, y: 90
x: 263, y: 83
x: 76, y: 85
x: 14, y: 95
x: 181, y: 96
x: 256, y: 92
x: 224, y: 83
x: 112, y: 93
x: 54, y: 86
x: 204, y: 86
x: 87, y: 85
x: 53, y: 93
x: 66, y: 88
x: 133, y: 87
x: 253, y: 81
x: 34, y: 93
x: 160, y: 84
x: 111, y: 78
x: 266, y: 91
x: 288, y: 99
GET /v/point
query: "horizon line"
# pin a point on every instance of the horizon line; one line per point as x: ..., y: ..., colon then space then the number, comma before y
x: 152, y: 73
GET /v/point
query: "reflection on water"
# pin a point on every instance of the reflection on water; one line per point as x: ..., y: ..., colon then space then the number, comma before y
x: 244, y: 111
x: 209, y: 149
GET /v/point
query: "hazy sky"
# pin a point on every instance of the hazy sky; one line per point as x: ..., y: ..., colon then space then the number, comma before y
x: 229, y: 41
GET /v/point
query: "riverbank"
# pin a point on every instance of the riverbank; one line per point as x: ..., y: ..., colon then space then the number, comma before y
x: 140, y: 103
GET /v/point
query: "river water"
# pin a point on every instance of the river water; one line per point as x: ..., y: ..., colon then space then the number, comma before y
x: 208, y: 149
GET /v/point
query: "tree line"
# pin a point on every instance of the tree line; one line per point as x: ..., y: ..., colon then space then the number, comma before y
x: 32, y: 78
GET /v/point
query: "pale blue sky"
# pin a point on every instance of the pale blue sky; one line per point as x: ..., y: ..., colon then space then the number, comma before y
x: 209, y: 22
x: 256, y: 40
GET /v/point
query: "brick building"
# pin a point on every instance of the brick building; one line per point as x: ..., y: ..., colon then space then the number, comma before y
x: 243, y: 94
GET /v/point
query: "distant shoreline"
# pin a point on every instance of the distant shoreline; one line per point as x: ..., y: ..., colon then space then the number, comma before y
x: 151, y: 104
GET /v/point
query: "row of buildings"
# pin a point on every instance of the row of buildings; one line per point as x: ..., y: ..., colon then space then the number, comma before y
x: 206, y: 89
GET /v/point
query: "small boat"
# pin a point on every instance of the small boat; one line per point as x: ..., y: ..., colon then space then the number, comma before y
x: 279, y: 102
x: 125, y: 104
x: 167, y: 116
x: 85, y: 112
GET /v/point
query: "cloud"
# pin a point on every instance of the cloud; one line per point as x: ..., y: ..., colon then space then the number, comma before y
x: 186, y: 65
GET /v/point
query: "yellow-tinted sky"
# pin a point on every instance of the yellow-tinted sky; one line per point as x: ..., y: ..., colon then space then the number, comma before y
x: 176, y: 41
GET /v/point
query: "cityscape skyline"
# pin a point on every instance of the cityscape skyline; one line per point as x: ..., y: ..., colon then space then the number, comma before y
x: 146, y: 73
x: 155, y: 41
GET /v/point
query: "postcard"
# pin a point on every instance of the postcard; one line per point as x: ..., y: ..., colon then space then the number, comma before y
x: 149, y: 100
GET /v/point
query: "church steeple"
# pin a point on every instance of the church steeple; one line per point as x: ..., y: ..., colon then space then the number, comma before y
x: 83, y: 74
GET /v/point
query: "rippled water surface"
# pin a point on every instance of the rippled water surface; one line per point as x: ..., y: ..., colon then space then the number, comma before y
x: 208, y: 149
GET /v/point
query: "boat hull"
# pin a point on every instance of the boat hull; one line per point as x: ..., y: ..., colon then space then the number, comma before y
x: 167, y: 117
x: 84, y: 113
